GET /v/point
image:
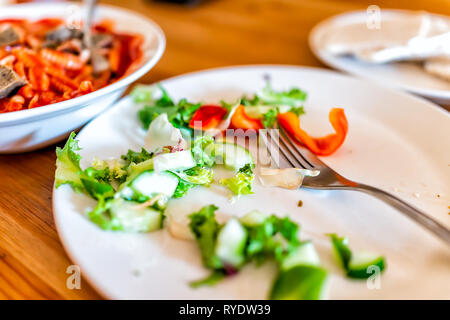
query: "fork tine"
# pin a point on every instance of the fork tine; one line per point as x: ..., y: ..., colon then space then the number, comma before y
x: 271, y: 147
x: 292, y: 155
x: 273, y: 154
x: 284, y: 151
x: 302, y: 152
x: 295, y: 151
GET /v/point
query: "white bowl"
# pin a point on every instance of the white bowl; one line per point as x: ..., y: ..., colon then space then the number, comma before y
x: 31, y: 129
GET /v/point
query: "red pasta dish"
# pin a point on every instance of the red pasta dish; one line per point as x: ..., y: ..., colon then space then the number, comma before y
x: 44, y: 62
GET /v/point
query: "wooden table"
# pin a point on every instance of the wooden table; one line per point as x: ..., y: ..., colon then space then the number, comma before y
x: 217, y: 33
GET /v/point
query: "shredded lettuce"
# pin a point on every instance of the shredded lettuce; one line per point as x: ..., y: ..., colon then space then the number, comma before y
x: 202, y: 149
x: 205, y: 228
x: 270, y: 117
x: 185, y: 111
x: 191, y: 178
x: 258, y: 237
x: 297, y: 110
x: 102, y: 217
x: 68, y: 164
x: 196, y: 175
x: 268, y: 103
x: 68, y: 171
x: 182, y: 188
x: 91, y: 181
x: 241, y: 183
x: 270, y: 237
x: 136, y: 157
x: 153, y: 106
x: 95, y: 187
x: 264, y: 244
x: 112, y: 169
x: 179, y: 114
x: 293, y: 97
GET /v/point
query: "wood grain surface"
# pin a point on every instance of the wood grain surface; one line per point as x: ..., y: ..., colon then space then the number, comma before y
x: 215, y: 33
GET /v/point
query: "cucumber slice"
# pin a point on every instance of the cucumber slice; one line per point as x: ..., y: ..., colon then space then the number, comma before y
x: 230, y: 243
x: 341, y: 250
x: 356, y: 265
x: 181, y: 160
x: 150, y: 183
x: 300, y: 283
x: 134, y: 219
x: 232, y: 156
x: 362, y: 265
x: 253, y: 219
x: 305, y: 255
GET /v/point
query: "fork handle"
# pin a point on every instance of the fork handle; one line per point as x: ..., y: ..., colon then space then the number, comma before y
x: 418, y: 216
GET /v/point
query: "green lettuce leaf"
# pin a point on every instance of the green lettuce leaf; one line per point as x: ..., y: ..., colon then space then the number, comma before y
x: 179, y: 114
x: 297, y: 110
x: 185, y: 111
x: 270, y: 117
x: 268, y: 96
x: 202, y: 149
x: 268, y: 103
x: 205, y: 228
x: 68, y: 165
x: 154, y: 107
x: 196, y: 175
x: 96, y: 188
x: 136, y: 157
x: 191, y: 178
x: 267, y: 237
x: 263, y: 242
x: 182, y: 188
x: 293, y: 97
x: 108, y: 170
x: 102, y: 217
x: 241, y: 183
x: 91, y: 181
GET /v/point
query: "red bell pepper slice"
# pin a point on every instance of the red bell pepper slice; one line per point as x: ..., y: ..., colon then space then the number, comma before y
x: 240, y: 120
x: 207, y: 117
x: 322, y: 146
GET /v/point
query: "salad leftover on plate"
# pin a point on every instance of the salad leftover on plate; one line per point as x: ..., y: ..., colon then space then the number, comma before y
x: 132, y: 191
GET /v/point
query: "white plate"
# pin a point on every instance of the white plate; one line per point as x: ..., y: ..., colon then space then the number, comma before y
x: 407, y: 76
x: 404, y: 150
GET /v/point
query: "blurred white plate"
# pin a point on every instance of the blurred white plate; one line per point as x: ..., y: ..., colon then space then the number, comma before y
x: 402, y: 150
x: 407, y: 76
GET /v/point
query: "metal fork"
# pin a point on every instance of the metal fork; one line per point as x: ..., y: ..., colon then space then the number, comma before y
x: 328, y: 179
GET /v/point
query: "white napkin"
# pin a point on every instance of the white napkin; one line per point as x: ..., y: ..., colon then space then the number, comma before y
x: 406, y: 36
